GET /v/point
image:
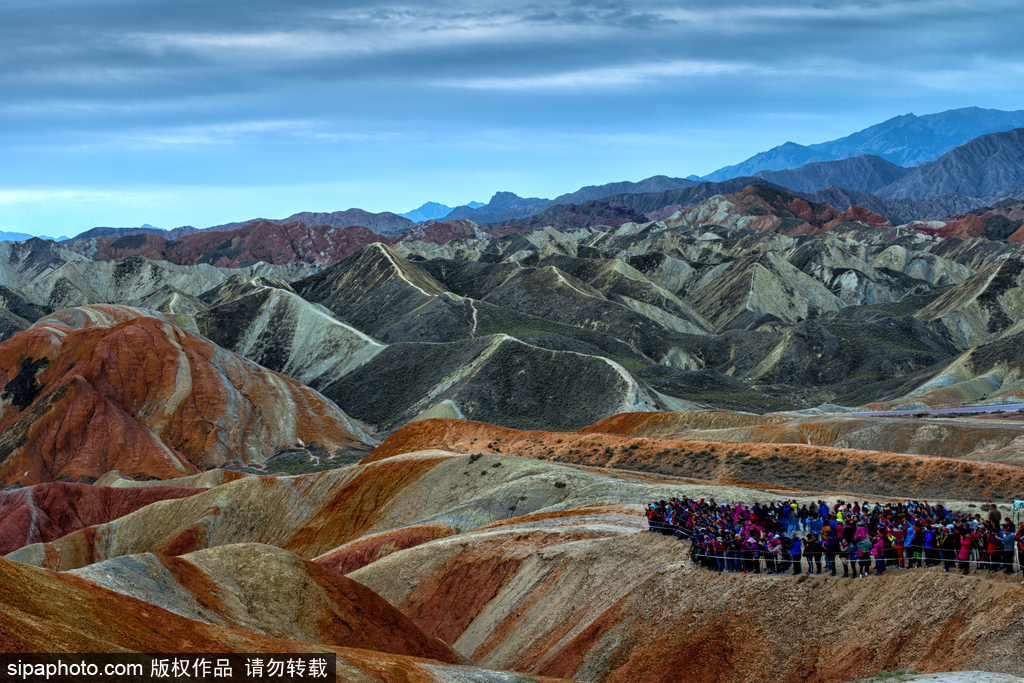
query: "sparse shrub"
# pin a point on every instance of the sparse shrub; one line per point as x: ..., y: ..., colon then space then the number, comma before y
x: 476, y: 456
x: 559, y: 484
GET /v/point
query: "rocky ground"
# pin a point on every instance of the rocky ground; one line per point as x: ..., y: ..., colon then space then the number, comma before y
x: 508, y: 562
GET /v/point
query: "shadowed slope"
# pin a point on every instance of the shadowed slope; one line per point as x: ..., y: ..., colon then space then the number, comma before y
x: 283, y: 332
x: 976, y: 310
x: 496, y: 378
x: 371, y: 289
x: 761, y: 289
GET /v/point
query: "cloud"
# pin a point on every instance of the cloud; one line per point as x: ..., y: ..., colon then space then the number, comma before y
x: 165, y: 91
x: 604, y: 77
x: 15, y: 196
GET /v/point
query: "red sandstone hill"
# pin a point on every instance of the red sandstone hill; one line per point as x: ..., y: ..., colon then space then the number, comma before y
x: 443, y: 232
x: 44, y: 512
x: 261, y: 241
x: 1004, y: 221
x: 795, y: 215
x: 764, y: 208
x: 651, y: 442
x: 273, y: 243
x: 149, y: 399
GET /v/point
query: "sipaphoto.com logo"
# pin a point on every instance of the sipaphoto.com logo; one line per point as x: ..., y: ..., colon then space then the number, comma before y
x: 72, y: 669
x: 160, y: 667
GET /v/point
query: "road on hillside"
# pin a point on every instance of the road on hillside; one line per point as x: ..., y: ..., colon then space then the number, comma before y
x: 1006, y: 408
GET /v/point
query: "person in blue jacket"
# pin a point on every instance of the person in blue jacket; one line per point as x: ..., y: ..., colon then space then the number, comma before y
x: 795, y: 551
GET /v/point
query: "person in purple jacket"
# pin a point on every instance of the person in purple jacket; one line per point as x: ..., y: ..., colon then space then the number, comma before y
x: 751, y: 562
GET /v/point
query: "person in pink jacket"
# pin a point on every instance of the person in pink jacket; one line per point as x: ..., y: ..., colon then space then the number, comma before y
x: 965, y: 553
x: 878, y: 551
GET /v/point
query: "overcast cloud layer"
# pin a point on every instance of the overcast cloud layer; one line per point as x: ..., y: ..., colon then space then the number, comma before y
x: 172, y: 113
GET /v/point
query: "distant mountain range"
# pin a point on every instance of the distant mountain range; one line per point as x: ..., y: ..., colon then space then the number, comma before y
x: 431, y: 211
x: 906, y: 140
x: 969, y: 158
x: 866, y: 173
x: 384, y: 223
x: 19, y: 236
x: 985, y: 165
x: 506, y: 206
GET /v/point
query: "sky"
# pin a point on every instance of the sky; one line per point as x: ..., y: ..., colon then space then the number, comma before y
x: 124, y: 112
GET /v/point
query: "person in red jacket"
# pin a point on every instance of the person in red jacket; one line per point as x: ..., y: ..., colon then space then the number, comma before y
x: 1020, y: 548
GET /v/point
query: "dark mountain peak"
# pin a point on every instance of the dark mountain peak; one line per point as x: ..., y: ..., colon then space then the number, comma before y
x: 500, y: 202
x: 503, y: 200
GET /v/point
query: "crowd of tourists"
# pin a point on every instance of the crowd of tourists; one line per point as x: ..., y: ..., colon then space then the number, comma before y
x: 782, y: 536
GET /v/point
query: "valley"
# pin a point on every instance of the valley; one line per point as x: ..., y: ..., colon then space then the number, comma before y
x: 429, y: 448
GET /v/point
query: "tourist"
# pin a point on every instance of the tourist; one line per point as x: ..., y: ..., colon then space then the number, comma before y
x: 735, y: 537
x: 795, y: 552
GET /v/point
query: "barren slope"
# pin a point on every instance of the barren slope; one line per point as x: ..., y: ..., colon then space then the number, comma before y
x: 103, y: 388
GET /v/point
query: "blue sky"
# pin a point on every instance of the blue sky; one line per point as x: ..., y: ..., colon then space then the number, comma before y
x: 125, y: 112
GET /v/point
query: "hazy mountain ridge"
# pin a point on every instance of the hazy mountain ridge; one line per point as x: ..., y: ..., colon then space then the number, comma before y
x: 986, y: 165
x: 906, y: 140
x: 385, y: 223
x: 504, y: 209
x: 865, y: 173
x: 870, y: 161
